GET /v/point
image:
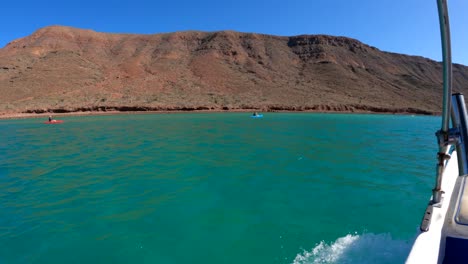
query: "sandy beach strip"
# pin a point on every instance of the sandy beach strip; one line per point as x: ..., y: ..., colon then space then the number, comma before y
x: 97, y: 113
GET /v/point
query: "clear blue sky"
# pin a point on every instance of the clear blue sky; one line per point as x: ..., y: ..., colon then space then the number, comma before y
x: 405, y: 26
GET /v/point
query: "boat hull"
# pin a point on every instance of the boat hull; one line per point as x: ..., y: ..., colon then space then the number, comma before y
x: 440, y: 243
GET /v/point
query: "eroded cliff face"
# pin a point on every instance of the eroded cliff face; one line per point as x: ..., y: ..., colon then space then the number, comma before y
x: 65, y: 69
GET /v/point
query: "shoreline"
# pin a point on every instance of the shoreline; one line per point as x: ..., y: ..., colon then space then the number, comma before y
x: 5, y: 116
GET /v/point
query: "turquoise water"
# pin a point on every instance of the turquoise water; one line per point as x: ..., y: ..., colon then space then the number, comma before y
x: 214, y: 188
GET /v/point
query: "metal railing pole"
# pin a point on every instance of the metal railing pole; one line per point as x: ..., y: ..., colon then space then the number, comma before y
x: 460, y: 121
x: 447, y: 84
x: 447, y: 62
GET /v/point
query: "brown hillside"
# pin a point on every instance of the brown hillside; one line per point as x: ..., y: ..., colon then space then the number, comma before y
x: 65, y: 69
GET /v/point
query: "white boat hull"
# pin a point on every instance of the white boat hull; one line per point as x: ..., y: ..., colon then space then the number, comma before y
x: 448, y: 222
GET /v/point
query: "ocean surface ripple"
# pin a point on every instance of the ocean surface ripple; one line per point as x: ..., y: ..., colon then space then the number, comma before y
x: 214, y: 188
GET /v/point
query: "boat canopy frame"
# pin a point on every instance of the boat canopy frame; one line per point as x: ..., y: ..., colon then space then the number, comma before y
x: 454, y: 110
x: 444, y: 137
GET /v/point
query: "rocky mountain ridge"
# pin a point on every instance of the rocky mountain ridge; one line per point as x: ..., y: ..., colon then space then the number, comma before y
x: 64, y: 69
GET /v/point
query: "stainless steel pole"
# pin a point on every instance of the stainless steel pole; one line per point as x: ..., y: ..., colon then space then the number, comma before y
x: 460, y: 121
x: 446, y: 106
x: 447, y: 62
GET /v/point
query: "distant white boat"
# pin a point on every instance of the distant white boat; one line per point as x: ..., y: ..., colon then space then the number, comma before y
x: 443, y: 236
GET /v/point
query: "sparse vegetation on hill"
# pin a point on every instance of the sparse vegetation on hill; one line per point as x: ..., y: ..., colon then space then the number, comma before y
x: 63, y: 69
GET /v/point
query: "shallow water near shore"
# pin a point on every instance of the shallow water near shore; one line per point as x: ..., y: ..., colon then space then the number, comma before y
x: 214, y: 188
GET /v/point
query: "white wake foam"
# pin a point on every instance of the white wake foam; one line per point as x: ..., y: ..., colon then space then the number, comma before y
x: 365, y: 248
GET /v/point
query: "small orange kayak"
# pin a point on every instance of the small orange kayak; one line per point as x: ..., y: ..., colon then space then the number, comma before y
x: 54, y: 122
